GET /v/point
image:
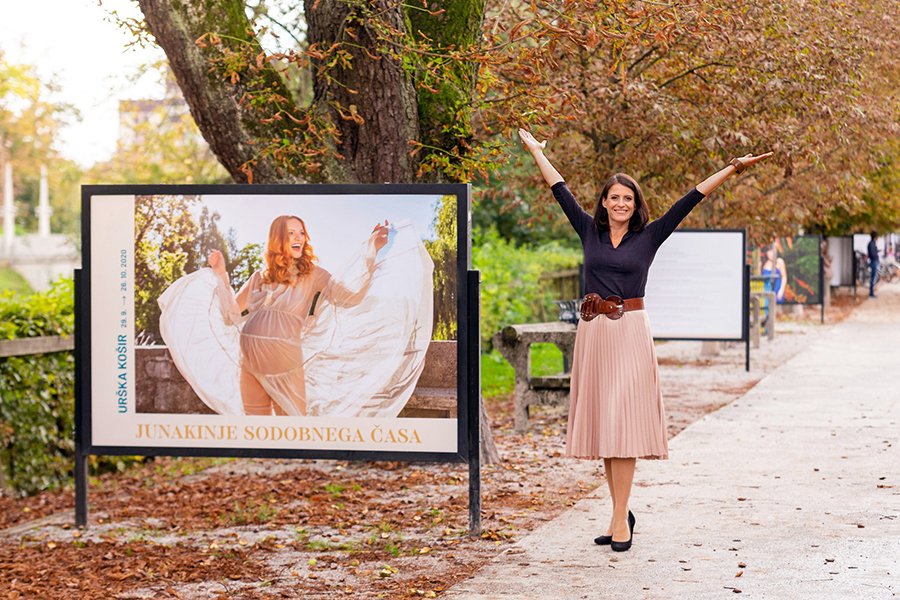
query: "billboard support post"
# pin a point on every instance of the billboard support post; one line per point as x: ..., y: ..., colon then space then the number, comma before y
x: 747, y: 317
x: 81, y: 483
x: 822, y: 282
x: 474, y: 402
x: 81, y: 463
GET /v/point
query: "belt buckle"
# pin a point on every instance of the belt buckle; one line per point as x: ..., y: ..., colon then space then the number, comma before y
x: 619, y: 308
x: 588, y: 309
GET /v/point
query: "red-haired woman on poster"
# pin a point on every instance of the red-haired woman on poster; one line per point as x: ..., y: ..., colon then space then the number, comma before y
x: 297, y: 340
x: 278, y: 301
x: 616, y: 410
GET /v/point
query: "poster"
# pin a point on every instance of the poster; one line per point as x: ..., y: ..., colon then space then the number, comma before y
x: 281, y: 321
x: 840, y: 251
x: 792, y: 268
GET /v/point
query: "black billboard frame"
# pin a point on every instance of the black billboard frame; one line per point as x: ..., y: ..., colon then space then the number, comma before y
x: 468, y: 347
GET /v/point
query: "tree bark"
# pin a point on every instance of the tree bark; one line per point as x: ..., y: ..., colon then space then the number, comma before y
x: 233, y: 130
x: 373, y: 86
x: 487, y: 449
x: 364, y: 96
x: 446, y: 113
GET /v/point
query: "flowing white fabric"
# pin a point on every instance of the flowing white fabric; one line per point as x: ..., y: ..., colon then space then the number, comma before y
x: 359, y: 355
x: 203, y: 346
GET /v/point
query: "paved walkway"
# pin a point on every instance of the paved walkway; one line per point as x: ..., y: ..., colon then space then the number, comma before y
x: 796, y: 487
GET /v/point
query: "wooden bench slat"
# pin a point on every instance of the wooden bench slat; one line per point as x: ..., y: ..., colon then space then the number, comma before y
x: 550, y: 382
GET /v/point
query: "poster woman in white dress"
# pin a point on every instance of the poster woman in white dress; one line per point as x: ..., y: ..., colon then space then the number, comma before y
x: 297, y: 340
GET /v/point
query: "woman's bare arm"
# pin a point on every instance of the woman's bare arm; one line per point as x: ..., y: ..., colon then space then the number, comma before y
x: 217, y: 263
x: 549, y: 172
x: 351, y: 293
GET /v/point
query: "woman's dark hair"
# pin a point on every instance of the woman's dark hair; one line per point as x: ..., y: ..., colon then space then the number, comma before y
x: 641, y: 215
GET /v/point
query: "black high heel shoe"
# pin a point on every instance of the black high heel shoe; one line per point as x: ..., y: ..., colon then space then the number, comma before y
x: 623, y: 546
x: 606, y: 540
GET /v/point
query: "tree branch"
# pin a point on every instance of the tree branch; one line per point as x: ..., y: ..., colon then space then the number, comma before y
x: 692, y: 71
x: 232, y: 128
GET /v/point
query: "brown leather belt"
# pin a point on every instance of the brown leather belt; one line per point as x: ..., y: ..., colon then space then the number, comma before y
x: 613, y: 307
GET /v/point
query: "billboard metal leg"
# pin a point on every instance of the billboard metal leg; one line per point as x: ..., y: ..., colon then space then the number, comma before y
x: 474, y: 403
x: 747, y: 357
x: 747, y: 316
x: 81, y: 459
x: 81, y: 485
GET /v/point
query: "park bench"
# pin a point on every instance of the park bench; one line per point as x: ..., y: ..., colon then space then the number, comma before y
x: 514, y: 343
x: 759, y: 303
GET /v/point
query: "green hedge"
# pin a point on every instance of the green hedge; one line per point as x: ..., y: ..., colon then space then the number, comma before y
x: 36, y: 392
x: 511, y: 286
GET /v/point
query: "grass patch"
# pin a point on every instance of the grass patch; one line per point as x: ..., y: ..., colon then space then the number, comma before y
x: 11, y: 280
x: 335, y: 489
x: 250, y: 512
x: 328, y: 546
x: 498, y: 376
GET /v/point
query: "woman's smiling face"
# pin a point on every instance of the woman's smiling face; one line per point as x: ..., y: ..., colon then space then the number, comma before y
x: 295, y: 239
x: 619, y: 204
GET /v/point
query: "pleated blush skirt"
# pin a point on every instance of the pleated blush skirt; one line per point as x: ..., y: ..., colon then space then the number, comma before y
x: 616, y: 407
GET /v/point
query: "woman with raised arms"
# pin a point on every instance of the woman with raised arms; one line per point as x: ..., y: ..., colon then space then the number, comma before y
x: 616, y: 408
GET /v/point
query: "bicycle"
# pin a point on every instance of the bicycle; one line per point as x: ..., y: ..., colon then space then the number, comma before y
x: 862, y: 269
x: 887, y: 272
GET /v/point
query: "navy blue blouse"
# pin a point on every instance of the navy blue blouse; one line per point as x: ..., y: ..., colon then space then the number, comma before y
x: 620, y: 271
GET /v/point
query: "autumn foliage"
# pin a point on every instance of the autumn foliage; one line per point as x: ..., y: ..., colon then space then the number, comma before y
x: 667, y: 92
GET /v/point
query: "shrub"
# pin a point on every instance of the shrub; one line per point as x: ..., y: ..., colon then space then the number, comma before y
x: 37, y: 402
x: 511, y: 289
x: 36, y: 392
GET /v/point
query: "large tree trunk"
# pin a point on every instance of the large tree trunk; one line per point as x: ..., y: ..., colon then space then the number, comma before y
x: 245, y: 111
x: 372, y: 99
x: 367, y: 114
x: 445, y: 102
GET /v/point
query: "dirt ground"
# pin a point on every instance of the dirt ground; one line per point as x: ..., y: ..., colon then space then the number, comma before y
x: 229, y: 528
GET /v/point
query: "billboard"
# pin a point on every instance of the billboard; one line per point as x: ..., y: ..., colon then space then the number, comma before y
x: 695, y: 287
x: 840, y: 251
x: 793, y: 269
x: 275, y: 320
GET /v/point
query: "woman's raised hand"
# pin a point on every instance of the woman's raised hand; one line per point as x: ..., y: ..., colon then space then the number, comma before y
x: 749, y: 160
x: 530, y: 143
x: 548, y: 172
x: 216, y: 261
x: 379, y: 235
x: 737, y: 165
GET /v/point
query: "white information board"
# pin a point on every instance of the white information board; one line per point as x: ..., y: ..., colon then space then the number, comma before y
x: 840, y: 250
x: 695, y: 288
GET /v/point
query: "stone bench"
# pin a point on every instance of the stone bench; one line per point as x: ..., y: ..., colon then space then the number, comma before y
x: 514, y: 343
x: 759, y: 300
x: 435, y: 393
x: 162, y: 389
